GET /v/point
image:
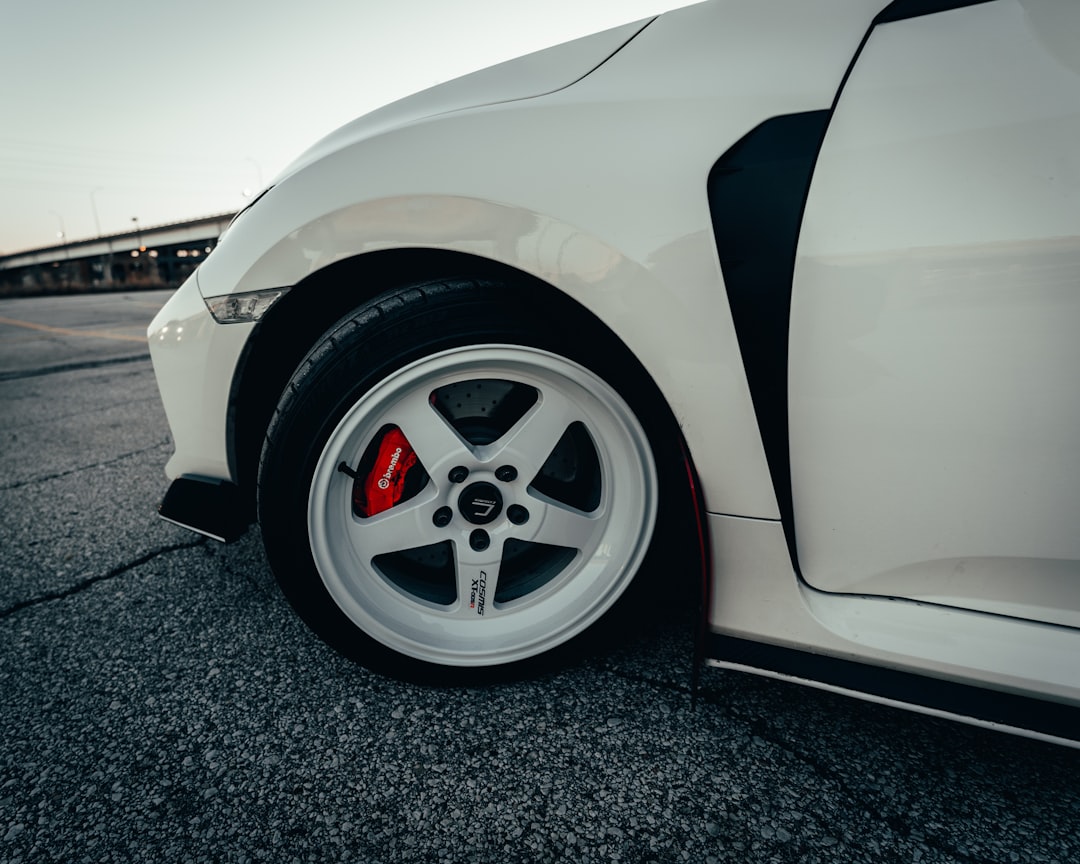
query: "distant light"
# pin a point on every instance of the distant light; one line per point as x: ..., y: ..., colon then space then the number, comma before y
x: 181, y: 253
x: 134, y: 253
x: 194, y: 253
x: 153, y: 253
x: 59, y: 235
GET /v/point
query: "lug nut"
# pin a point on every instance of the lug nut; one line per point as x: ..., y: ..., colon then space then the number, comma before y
x: 442, y: 517
x: 479, y: 540
x: 506, y: 473
x: 459, y: 474
x: 517, y: 514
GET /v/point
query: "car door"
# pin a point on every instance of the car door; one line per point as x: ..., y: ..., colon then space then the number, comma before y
x: 934, y: 343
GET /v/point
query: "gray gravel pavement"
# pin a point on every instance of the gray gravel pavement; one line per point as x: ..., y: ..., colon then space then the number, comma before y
x: 159, y: 702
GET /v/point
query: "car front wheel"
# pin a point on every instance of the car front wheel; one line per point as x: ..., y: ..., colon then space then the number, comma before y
x: 447, y: 483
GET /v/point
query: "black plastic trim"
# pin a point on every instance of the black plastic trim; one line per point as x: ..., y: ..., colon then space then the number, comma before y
x: 757, y: 194
x: 901, y: 10
x: 1030, y: 714
x: 215, y: 508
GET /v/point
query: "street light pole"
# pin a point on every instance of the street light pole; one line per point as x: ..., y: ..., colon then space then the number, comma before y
x: 93, y: 207
x: 61, y: 235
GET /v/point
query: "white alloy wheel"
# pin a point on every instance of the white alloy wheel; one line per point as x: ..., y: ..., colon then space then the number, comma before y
x: 482, y: 505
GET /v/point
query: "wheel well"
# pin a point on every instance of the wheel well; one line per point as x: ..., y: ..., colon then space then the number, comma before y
x: 294, y: 324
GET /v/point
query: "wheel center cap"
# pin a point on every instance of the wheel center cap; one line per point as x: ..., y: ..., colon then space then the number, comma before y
x: 480, y: 503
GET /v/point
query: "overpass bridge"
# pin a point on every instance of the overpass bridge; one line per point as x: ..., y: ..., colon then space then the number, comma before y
x: 161, y: 256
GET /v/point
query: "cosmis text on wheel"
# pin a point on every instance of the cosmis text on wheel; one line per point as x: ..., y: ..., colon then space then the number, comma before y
x: 456, y: 480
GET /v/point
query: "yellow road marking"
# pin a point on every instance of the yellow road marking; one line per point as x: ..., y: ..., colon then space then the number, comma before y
x: 64, y: 331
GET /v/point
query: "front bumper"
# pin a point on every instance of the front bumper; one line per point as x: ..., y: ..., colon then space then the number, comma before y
x: 195, y: 361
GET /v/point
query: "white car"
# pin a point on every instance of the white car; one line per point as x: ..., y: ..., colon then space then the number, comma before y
x: 794, y: 286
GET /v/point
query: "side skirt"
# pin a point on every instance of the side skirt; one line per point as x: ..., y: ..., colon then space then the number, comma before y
x: 1052, y: 722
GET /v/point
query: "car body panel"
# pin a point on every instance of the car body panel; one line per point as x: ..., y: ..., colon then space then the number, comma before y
x: 757, y: 596
x: 520, y: 78
x: 934, y: 417
x: 194, y: 360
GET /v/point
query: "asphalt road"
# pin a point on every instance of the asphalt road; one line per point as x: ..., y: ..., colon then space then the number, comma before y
x: 160, y: 702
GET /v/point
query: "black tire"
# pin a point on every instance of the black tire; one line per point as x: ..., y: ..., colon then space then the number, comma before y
x: 375, y: 543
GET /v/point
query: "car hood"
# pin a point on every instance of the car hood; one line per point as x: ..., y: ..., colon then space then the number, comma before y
x: 523, y: 77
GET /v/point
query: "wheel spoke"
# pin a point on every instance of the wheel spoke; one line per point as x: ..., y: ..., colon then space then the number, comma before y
x: 529, y: 442
x: 405, y: 526
x: 559, y: 525
x: 433, y: 439
x: 477, y: 579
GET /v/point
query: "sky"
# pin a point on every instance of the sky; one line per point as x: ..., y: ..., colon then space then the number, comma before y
x: 121, y: 110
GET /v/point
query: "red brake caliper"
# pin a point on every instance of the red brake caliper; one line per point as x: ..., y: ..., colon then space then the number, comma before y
x: 383, y: 485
